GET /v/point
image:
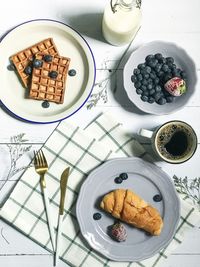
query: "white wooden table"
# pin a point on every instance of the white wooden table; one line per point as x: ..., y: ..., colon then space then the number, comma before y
x: 175, y: 21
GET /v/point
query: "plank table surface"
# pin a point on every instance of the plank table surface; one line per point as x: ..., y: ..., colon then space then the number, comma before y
x: 174, y: 21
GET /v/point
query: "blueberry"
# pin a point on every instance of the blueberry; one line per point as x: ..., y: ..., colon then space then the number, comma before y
x: 137, y: 85
x: 47, y: 58
x: 150, y: 81
x: 158, y: 56
x: 152, y: 75
x: 173, y: 67
x: 166, y: 93
x: 11, y: 67
x: 141, y: 66
x: 170, y: 60
x: 162, y: 93
x: 160, y: 74
x: 177, y: 72
x: 144, y: 98
x: 157, y: 198
x: 155, y: 62
x: 53, y: 74
x: 170, y: 65
x: 152, y: 63
x: 149, y: 86
x: 72, y: 72
x: 148, y: 69
x: 139, y: 91
x: 97, y: 216
x: 183, y: 74
x: 162, y: 101
x: 146, y: 76
x: 143, y: 88
x: 149, y: 58
x: 134, y: 78
x: 162, y: 60
x: 157, y: 96
x: 158, y: 67
x: 144, y: 82
x: 167, y: 77
x: 151, y: 100
x: 143, y: 72
x: 118, y: 180
x: 124, y: 176
x: 145, y: 93
x: 136, y: 71
x: 153, y: 72
x: 165, y: 68
x: 157, y: 80
x: 169, y: 71
x: 152, y: 91
x: 45, y: 104
x: 37, y: 63
x: 28, y: 70
x: 170, y: 99
x: 139, y: 77
x: 158, y: 88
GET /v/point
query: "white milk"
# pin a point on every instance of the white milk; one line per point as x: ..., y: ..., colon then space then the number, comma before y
x: 120, y: 28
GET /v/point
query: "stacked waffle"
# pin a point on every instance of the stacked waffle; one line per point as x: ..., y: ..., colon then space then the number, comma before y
x: 42, y: 70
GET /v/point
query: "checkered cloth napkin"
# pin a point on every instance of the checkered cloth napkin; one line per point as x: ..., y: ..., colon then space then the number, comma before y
x: 82, y: 150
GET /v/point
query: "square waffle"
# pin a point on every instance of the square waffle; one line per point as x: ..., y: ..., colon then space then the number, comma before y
x: 43, y: 87
x: 24, y: 58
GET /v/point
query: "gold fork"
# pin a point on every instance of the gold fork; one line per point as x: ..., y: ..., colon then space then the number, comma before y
x: 41, y: 167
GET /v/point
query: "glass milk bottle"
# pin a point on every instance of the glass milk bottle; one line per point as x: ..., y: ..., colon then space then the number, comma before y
x: 121, y: 21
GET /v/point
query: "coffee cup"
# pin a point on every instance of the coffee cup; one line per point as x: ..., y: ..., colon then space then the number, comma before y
x: 174, y: 141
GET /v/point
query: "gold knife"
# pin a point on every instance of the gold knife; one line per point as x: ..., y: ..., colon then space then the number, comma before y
x: 63, y: 186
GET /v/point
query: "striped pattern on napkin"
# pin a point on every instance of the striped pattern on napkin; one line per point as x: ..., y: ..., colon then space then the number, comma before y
x: 82, y: 150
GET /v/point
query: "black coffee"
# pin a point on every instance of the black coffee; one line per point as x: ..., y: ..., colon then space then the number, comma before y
x: 177, y: 144
x: 174, y: 141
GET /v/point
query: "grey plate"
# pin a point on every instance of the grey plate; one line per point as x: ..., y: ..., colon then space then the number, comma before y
x: 182, y: 60
x: 144, y: 179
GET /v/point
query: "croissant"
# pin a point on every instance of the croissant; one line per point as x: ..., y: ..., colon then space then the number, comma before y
x: 129, y: 207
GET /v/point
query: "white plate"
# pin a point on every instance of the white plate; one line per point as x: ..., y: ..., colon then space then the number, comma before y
x: 70, y: 44
x: 146, y: 180
x: 182, y: 61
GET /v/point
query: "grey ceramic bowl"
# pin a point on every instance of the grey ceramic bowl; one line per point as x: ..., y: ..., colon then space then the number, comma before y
x: 182, y: 61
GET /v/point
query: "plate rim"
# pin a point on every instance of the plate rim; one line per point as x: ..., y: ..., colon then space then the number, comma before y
x: 81, y: 225
x: 12, y: 113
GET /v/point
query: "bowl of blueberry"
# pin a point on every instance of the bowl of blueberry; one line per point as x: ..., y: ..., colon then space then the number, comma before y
x: 159, y: 78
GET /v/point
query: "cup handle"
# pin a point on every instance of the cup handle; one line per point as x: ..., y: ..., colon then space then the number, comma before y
x: 146, y: 133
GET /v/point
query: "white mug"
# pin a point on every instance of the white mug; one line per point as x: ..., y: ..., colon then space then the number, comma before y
x: 174, y: 141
